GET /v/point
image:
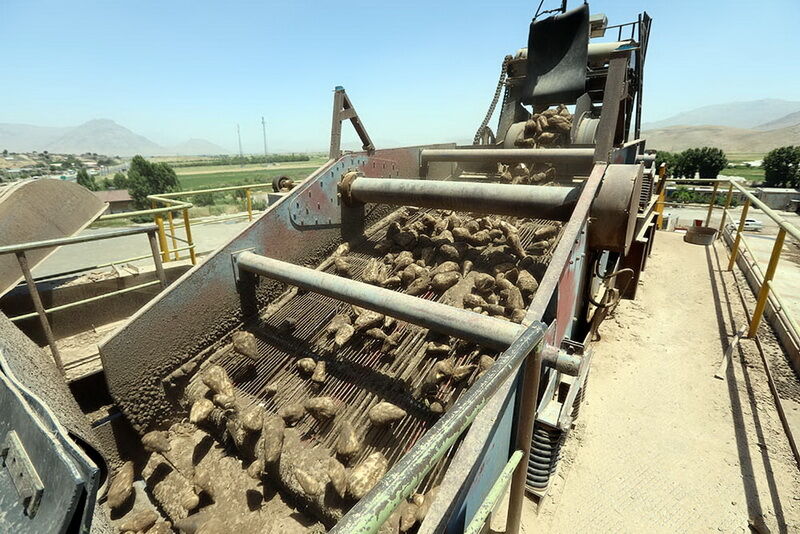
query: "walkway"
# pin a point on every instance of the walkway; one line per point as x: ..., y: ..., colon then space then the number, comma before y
x: 661, y: 445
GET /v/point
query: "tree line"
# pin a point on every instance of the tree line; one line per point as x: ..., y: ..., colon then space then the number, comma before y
x: 705, y: 161
x: 782, y: 167
x: 144, y: 178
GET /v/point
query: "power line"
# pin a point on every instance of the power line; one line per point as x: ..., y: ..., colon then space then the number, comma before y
x: 264, y: 129
x: 239, y: 135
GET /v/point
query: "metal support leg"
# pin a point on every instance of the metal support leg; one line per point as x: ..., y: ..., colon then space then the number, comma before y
x: 151, y: 237
x: 189, y: 241
x: 37, y: 304
x: 711, y: 202
x: 162, y: 238
x: 660, y: 208
x: 530, y: 392
x: 738, y: 239
x: 766, y: 283
x: 728, y: 199
x: 249, y: 198
x: 172, y: 234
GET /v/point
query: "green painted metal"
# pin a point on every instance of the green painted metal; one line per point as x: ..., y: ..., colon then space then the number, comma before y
x: 479, y: 519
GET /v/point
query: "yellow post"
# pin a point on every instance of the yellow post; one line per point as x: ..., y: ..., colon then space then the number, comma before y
x: 249, y: 205
x: 711, y: 204
x: 189, y: 241
x: 172, y: 234
x: 725, y: 209
x: 162, y: 238
x: 662, y: 170
x: 735, y: 248
x: 765, y: 285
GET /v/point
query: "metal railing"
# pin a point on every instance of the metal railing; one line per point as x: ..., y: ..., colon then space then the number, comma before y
x: 165, y: 205
x: 160, y: 234
x: 21, y: 249
x: 767, y: 291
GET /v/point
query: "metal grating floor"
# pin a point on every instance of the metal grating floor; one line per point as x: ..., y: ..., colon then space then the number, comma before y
x: 359, y: 374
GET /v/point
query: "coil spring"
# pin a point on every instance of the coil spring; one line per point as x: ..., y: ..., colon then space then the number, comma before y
x: 545, y: 448
x: 576, y: 405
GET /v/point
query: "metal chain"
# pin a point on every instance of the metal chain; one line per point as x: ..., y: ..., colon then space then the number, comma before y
x: 500, y: 83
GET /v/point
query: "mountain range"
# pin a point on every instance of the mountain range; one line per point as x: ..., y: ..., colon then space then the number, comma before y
x: 102, y: 136
x: 754, y: 126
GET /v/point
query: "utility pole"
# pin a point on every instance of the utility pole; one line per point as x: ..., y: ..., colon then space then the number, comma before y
x: 241, y: 155
x: 264, y: 129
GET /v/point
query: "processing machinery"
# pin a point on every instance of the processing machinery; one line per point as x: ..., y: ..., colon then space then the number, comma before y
x: 372, y: 351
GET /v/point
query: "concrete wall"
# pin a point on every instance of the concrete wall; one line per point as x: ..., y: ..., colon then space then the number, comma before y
x: 778, y: 200
x: 71, y: 321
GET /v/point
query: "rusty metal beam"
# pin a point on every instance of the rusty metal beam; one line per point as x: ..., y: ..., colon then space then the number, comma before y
x: 463, y: 324
x: 544, y: 202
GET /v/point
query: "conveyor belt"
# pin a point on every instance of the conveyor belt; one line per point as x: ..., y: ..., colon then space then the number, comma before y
x: 359, y: 374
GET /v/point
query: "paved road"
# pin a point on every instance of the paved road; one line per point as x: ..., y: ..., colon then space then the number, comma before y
x: 208, y: 237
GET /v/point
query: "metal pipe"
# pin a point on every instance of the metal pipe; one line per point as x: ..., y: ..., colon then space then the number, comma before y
x: 187, y: 226
x: 33, y: 245
x: 172, y: 235
x: 527, y: 417
x: 249, y: 198
x: 561, y: 361
x: 151, y: 237
x: 482, y: 513
x: 372, y: 510
x: 162, y: 238
x: 463, y: 324
x: 88, y: 300
x: 728, y: 199
x: 765, y: 285
x: 544, y: 202
x: 711, y: 203
x: 774, y: 298
x: 735, y: 247
x: 509, y: 155
x: 37, y: 304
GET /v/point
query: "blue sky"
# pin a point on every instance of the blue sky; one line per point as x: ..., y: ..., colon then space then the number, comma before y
x: 417, y: 72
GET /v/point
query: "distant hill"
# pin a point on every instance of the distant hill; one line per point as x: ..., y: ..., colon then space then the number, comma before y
x: 792, y: 119
x: 676, y: 138
x: 102, y: 136
x: 26, y: 137
x: 734, y: 114
x: 195, y: 147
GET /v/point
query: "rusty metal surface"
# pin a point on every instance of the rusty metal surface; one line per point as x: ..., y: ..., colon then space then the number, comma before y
x: 443, y: 318
x: 544, y: 202
x: 40, y: 210
x: 149, y: 346
x: 615, y: 208
x: 455, y: 482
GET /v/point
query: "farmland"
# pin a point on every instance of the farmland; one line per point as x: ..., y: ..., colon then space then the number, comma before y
x: 202, y: 178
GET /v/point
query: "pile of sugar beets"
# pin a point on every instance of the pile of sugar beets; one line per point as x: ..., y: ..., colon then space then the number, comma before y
x: 477, y: 263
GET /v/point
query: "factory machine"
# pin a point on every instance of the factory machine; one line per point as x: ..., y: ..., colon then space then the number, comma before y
x: 407, y: 331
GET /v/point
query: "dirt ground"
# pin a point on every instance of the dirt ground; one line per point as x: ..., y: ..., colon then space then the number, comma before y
x: 661, y: 445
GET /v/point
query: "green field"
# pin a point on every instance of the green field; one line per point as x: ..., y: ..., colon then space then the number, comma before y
x: 752, y: 174
x: 208, y: 180
x: 741, y: 157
